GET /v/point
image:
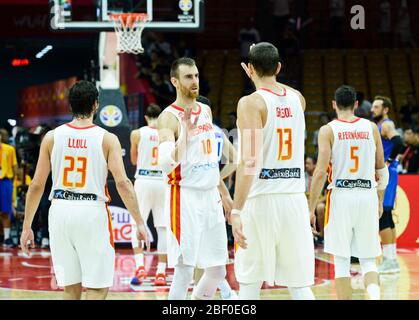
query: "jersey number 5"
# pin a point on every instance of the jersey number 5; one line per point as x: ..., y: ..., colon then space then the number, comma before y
x: 81, y: 168
x: 354, y: 158
x: 284, y: 138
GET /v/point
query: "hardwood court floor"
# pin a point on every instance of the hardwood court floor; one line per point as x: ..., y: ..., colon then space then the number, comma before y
x: 29, y: 278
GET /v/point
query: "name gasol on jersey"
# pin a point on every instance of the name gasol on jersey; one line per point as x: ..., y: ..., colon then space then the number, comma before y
x: 283, y: 112
x: 349, y: 184
x: 353, y: 135
x: 284, y: 173
x: 77, y: 143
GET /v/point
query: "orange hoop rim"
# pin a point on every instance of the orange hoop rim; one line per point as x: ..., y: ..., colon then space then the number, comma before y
x: 124, y: 17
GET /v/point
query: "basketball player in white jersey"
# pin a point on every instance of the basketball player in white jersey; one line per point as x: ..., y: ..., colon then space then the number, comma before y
x: 79, y: 154
x: 270, y: 216
x: 351, y: 149
x: 197, y: 234
x: 150, y: 189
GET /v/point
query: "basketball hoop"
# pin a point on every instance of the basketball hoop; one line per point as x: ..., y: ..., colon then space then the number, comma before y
x: 128, y: 28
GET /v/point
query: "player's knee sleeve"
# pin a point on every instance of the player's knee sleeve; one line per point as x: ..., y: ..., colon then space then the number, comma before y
x: 181, y: 280
x: 386, y: 220
x: 162, y: 240
x: 303, y: 293
x: 250, y: 291
x: 367, y: 265
x: 207, y: 285
x: 342, y: 267
x: 134, y: 240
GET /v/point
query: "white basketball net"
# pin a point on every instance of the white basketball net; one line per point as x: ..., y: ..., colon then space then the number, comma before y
x: 129, y: 32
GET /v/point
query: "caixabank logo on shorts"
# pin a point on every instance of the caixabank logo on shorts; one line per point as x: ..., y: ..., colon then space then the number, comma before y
x: 284, y: 173
x: 350, y: 184
x: 111, y: 116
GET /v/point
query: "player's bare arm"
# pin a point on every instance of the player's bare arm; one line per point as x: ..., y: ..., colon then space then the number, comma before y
x: 325, y: 143
x: 113, y: 154
x: 36, y: 189
x: 379, y: 163
x: 250, y: 123
x: 135, y: 141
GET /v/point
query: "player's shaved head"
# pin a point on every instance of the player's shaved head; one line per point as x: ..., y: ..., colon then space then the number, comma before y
x: 264, y: 57
x: 345, y: 97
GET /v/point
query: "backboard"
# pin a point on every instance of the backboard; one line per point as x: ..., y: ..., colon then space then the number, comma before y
x: 93, y: 15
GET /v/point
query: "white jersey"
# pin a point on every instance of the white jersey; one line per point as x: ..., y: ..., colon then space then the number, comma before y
x: 79, y: 167
x: 281, y: 168
x: 353, y: 155
x: 199, y: 168
x: 147, y: 155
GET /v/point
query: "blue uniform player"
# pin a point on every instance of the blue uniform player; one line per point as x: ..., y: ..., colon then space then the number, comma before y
x: 392, y: 144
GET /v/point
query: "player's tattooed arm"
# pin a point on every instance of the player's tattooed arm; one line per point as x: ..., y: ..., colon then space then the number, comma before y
x: 325, y: 142
x: 135, y: 139
x: 36, y: 189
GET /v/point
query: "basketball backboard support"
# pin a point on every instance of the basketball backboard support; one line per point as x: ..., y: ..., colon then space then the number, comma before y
x: 93, y: 15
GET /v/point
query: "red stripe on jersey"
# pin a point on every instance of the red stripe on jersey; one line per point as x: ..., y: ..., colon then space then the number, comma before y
x: 110, y: 227
x: 284, y: 92
x: 174, y: 176
x: 327, y: 211
x: 183, y: 110
x: 80, y: 128
x: 175, y: 207
x: 353, y: 121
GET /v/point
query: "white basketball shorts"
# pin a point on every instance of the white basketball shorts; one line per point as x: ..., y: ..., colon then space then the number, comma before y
x: 150, y: 195
x: 352, y: 223
x: 81, y: 242
x: 197, y: 232
x: 280, y: 242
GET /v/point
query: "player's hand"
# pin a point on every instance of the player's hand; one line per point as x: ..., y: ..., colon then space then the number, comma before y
x: 142, y: 235
x: 228, y: 206
x: 236, y: 225
x: 313, y: 223
x: 27, y: 240
x: 187, y: 123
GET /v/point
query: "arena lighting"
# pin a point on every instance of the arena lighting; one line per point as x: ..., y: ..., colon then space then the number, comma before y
x: 41, y: 53
x: 20, y: 62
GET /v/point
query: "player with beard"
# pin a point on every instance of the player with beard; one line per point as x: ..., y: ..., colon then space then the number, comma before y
x: 197, y: 235
x: 393, y: 145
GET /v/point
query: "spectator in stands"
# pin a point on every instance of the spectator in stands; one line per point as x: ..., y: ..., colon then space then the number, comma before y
x: 410, y: 158
x: 281, y: 14
x: 161, y: 45
x: 248, y: 35
x: 336, y: 23
x: 403, y: 32
x: 290, y: 45
x: 384, y: 24
x: 410, y: 111
x: 324, y: 119
x: 364, y: 106
x: 8, y: 170
x: 160, y: 90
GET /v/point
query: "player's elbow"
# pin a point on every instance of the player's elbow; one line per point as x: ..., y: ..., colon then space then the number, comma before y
x: 123, y: 185
x: 36, y: 187
x: 320, y: 173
